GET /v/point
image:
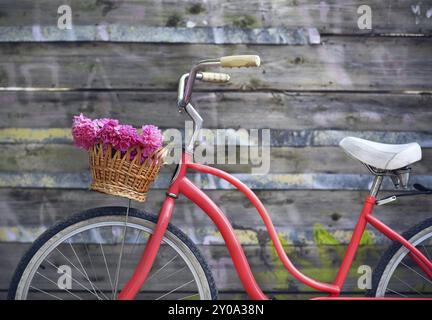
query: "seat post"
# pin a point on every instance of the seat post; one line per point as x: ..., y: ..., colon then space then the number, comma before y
x: 376, y: 185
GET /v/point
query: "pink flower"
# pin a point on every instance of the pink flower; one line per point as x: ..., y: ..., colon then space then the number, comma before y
x: 87, y: 133
x: 101, y: 122
x: 108, y: 133
x: 150, y: 139
x: 128, y: 138
x: 121, y: 137
x: 84, y: 132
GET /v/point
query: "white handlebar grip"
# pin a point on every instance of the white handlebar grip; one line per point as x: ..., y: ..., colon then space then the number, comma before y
x: 215, y: 77
x: 240, y: 61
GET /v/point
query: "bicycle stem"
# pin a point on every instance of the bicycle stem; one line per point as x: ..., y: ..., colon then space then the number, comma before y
x: 184, y: 92
x: 190, y: 79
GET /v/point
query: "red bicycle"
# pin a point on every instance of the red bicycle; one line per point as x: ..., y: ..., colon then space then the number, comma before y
x: 75, y: 258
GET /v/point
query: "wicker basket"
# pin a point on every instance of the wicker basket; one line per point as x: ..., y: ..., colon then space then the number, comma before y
x: 115, y: 174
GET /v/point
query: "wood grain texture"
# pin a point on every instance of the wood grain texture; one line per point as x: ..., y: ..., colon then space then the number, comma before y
x: 275, y: 110
x: 374, y: 84
x: 252, y: 138
x: 301, y: 216
x: 137, y: 34
x: 272, y: 181
x: 51, y: 158
x: 333, y: 16
x: 341, y: 63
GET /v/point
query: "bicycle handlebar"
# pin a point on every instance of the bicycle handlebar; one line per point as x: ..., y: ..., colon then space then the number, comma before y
x: 185, y: 89
x: 213, y: 77
x: 245, y: 61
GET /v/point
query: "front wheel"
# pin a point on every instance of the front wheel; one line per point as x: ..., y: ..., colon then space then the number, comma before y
x: 397, y: 275
x: 93, y: 254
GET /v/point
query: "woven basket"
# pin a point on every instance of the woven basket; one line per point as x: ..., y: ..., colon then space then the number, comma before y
x: 115, y: 174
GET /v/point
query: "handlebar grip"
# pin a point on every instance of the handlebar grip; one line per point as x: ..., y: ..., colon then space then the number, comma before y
x: 240, y: 61
x: 215, y: 77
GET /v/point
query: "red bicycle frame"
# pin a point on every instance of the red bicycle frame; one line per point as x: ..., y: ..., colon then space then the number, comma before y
x: 182, y: 185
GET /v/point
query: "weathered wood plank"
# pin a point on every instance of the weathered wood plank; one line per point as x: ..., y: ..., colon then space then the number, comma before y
x: 301, y: 138
x: 297, y: 214
x: 116, y: 33
x: 294, y: 111
x: 334, y: 16
x: 271, y: 181
x: 278, y: 138
x: 320, y: 262
x: 52, y: 158
x: 341, y: 63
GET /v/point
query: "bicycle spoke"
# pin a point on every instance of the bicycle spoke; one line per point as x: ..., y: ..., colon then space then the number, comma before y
x: 91, y: 264
x: 408, y: 285
x: 395, y: 292
x: 106, y: 266
x: 49, y: 280
x: 135, y: 242
x: 47, y: 293
x: 83, y: 269
x: 72, y: 264
x: 179, y: 287
x: 161, y: 268
x: 74, y: 280
x: 187, y: 297
x: 121, y: 252
x: 175, y: 272
x: 419, y: 274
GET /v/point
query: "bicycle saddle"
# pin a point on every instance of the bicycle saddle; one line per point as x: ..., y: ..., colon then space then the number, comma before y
x: 380, y: 155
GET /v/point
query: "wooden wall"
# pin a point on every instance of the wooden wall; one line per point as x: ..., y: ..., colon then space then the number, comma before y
x: 321, y: 79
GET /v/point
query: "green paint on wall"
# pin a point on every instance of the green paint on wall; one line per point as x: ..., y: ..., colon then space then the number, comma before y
x: 322, y: 236
x: 367, y: 238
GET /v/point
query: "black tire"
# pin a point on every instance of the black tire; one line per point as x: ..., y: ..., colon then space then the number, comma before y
x: 392, y: 251
x: 99, y: 212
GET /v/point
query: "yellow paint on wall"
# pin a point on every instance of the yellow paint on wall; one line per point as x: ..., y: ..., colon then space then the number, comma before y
x: 291, y: 179
x: 244, y: 236
x: 14, y: 135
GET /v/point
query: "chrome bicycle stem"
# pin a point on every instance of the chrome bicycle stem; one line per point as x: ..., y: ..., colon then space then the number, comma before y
x: 192, y: 113
x: 190, y: 80
x: 184, y: 94
x: 197, y: 125
x: 181, y: 89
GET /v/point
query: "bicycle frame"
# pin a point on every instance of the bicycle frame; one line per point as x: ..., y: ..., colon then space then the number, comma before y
x: 182, y: 185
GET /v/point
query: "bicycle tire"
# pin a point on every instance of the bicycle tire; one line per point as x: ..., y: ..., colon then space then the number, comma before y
x: 393, y: 255
x: 106, y: 212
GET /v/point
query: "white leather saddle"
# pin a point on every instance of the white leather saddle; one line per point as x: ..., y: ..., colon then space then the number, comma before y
x: 380, y: 155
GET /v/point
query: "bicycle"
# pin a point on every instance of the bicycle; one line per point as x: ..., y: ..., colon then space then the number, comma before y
x: 171, y: 266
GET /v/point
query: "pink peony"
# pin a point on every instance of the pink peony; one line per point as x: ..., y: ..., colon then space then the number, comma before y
x: 150, y: 139
x: 84, y: 132
x: 109, y: 133
x: 101, y: 122
x: 87, y: 133
x: 121, y: 137
x: 128, y: 138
